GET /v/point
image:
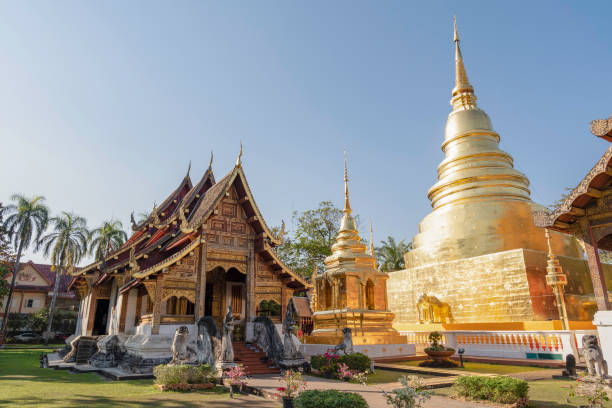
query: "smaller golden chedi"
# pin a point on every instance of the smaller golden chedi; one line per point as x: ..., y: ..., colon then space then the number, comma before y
x: 351, y: 292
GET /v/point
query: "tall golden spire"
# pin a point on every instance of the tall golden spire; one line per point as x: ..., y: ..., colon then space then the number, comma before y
x: 347, y: 204
x: 463, y: 93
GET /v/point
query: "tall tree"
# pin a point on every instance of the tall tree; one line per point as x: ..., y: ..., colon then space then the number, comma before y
x: 6, y: 256
x: 107, y: 238
x: 66, y: 245
x: 314, y: 235
x: 390, y: 254
x: 26, y: 221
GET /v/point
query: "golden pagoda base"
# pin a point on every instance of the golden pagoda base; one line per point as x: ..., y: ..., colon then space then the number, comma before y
x: 496, y: 326
x: 367, y: 326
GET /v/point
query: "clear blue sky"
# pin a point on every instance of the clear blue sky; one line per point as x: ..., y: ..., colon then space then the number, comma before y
x: 103, y: 104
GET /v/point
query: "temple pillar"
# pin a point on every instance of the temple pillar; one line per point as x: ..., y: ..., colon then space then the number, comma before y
x: 250, y: 281
x: 91, y: 311
x: 112, y: 323
x: 595, y: 269
x: 157, y: 306
x: 201, y: 283
x: 125, y: 300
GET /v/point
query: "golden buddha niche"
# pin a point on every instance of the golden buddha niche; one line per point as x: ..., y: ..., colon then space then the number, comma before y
x: 479, y: 251
x: 351, y: 292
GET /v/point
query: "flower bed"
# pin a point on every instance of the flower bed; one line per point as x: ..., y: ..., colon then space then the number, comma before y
x: 347, y: 366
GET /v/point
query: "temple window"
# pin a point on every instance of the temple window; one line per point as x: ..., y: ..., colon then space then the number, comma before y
x: 269, y: 308
x: 179, y: 306
x: 370, y: 295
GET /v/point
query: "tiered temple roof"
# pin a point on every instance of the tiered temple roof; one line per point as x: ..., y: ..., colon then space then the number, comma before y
x: 173, y: 230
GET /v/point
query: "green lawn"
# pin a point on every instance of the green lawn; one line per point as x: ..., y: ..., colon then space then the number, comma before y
x: 543, y: 394
x: 24, y: 384
x: 32, y: 346
x: 484, y: 368
x: 387, y: 376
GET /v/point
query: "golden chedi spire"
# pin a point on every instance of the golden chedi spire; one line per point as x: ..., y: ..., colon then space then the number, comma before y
x: 352, y: 292
x: 348, y: 237
x: 463, y: 93
x: 477, y: 199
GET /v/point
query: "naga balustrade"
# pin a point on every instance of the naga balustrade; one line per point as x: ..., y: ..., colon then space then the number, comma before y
x: 540, y: 345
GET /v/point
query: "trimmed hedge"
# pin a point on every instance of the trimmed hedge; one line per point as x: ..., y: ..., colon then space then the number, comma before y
x: 166, y: 374
x: 505, y: 390
x: 329, y: 399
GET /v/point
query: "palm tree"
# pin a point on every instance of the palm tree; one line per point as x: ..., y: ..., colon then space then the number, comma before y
x: 27, y: 218
x: 107, y: 238
x: 66, y: 245
x: 390, y: 254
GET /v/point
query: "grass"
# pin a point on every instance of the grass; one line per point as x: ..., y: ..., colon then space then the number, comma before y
x: 484, y: 368
x: 24, y: 384
x: 33, y: 346
x: 543, y: 394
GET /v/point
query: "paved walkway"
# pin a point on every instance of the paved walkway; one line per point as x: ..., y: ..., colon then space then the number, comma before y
x: 372, y: 393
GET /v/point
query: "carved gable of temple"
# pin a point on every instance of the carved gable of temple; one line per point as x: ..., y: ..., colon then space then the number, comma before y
x: 206, y: 246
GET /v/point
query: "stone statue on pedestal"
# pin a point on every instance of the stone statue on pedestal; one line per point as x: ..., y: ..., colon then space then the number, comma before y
x: 292, y: 357
x: 204, y: 351
x: 227, y: 350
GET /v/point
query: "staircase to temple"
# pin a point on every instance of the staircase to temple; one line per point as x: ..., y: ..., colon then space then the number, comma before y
x: 253, y: 358
x: 86, y: 347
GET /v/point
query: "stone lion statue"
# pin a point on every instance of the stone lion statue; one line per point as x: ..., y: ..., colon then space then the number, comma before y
x: 347, y: 342
x: 179, y: 345
x: 432, y: 310
x: 593, y: 356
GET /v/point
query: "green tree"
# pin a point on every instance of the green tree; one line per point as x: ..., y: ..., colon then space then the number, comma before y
x: 390, y: 254
x: 314, y: 235
x: 107, y: 238
x: 26, y: 221
x: 6, y: 256
x: 66, y: 245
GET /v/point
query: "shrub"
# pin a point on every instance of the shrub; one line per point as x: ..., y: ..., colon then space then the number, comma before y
x: 411, y: 395
x: 505, y: 390
x: 317, y: 361
x: 166, y: 374
x: 329, y: 399
x: 356, y: 361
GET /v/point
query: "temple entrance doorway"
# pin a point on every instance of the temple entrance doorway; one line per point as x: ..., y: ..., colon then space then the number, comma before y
x: 101, y: 317
x: 235, y: 295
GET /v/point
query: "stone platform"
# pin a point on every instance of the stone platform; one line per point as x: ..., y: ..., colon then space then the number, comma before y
x: 371, y: 350
x: 113, y: 373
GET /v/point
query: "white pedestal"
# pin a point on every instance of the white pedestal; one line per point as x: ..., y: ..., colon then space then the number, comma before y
x: 603, y: 321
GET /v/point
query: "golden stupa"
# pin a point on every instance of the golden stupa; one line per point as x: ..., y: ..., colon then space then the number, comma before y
x: 478, y: 257
x: 351, y: 292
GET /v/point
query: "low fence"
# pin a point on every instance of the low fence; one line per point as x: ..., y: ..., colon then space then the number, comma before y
x: 537, y: 345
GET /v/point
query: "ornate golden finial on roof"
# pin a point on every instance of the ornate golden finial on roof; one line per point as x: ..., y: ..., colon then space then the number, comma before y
x: 347, y: 204
x: 548, y: 241
x: 239, y: 161
x: 463, y: 93
x: 371, y: 238
x: 188, y: 169
x: 211, y: 160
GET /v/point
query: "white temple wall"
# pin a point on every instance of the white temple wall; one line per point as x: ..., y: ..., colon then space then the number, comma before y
x: 130, y: 314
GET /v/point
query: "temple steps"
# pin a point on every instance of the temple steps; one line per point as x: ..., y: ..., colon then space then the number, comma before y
x: 253, y: 358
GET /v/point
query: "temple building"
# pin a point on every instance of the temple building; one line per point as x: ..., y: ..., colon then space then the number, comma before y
x: 586, y: 213
x: 352, y: 293
x: 206, y: 246
x: 478, y: 259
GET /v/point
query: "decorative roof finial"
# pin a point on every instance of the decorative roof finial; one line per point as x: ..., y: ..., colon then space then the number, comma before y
x: 239, y: 161
x: 188, y: 169
x: 371, y: 238
x: 211, y: 160
x: 347, y: 204
x: 463, y: 93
